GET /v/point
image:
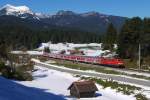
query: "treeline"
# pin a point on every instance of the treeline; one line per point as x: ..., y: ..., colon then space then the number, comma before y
x: 135, y: 31
x: 16, y: 36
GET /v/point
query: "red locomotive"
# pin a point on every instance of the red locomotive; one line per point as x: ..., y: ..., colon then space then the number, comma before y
x: 113, y: 62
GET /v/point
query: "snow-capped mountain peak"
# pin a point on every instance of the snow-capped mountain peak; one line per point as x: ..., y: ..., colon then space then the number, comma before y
x: 89, y: 21
x: 15, y: 10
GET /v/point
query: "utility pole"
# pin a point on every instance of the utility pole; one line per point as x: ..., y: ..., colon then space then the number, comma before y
x: 139, y: 56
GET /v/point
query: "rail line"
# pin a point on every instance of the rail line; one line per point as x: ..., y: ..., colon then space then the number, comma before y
x: 105, y: 67
x: 105, y: 76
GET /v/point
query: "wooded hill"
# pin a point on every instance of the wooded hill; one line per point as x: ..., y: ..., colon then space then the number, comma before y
x: 17, y: 32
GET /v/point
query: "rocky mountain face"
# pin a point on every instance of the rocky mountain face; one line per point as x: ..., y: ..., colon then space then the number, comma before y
x: 91, y: 21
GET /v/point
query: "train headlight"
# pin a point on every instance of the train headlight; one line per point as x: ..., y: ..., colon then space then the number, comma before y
x: 120, y: 63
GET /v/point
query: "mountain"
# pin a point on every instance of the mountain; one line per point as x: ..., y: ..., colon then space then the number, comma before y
x: 90, y: 21
x: 9, y: 9
x: 20, y: 11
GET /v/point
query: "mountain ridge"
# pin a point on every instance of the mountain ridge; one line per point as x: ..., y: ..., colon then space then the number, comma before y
x: 90, y: 21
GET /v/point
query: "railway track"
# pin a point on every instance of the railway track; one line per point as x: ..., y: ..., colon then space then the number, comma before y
x: 114, y: 64
x: 105, y: 76
x: 101, y: 66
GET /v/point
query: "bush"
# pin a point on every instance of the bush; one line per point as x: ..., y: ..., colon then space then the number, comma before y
x: 2, y: 66
x: 20, y: 73
x: 17, y: 75
x: 22, y: 76
x: 140, y: 97
x: 25, y: 68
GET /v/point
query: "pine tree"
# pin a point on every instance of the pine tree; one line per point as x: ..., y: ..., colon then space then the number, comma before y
x: 130, y: 37
x: 110, y: 37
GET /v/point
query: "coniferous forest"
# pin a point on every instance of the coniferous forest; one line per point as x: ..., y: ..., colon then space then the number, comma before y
x: 134, y: 31
x: 16, y: 32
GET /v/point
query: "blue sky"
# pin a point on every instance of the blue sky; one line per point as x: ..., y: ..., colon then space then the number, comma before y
x: 128, y: 8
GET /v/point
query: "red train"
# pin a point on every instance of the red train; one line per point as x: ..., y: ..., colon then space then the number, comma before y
x: 112, y: 62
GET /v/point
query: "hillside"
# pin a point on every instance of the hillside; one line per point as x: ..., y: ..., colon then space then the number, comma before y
x: 50, y: 85
x: 10, y: 90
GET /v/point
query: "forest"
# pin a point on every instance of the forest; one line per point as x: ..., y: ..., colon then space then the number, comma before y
x: 16, y: 36
x: 135, y: 31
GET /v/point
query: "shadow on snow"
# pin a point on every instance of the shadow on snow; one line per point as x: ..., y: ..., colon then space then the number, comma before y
x: 10, y: 90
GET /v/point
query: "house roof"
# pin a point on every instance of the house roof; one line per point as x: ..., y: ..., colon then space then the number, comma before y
x: 84, y: 86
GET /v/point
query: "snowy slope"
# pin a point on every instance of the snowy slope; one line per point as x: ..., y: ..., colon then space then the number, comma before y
x: 50, y: 85
x: 10, y: 90
x: 57, y: 82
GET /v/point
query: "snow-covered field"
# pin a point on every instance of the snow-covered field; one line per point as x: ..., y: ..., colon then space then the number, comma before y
x: 86, y: 48
x: 146, y: 90
x: 59, y: 47
x: 50, y: 85
x: 62, y: 46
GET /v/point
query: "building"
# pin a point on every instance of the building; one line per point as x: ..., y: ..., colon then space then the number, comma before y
x: 81, y: 89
